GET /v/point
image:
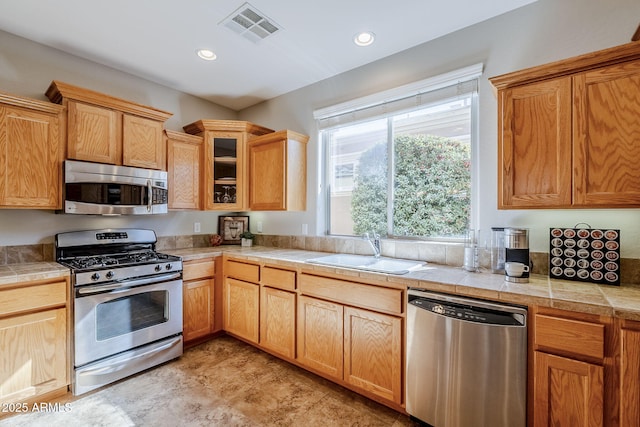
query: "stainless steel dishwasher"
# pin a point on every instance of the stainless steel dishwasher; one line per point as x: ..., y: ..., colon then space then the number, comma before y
x: 466, y: 361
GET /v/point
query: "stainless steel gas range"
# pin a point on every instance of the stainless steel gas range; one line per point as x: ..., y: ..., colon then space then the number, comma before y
x: 126, y: 305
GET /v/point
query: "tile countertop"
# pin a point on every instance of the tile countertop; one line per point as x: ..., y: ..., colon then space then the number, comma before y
x: 618, y: 301
x: 29, y: 272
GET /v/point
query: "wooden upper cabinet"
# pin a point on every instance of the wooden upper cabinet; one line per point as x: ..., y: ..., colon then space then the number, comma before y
x: 31, y: 152
x: 143, y: 144
x: 105, y: 129
x: 535, y: 145
x: 225, y: 176
x: 278, y: 172
x: 94, y: 133
x: 184, y: 166
x: 568, y: 132
x: 607, y: 136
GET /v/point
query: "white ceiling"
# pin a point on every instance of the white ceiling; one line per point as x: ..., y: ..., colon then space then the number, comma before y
x: 157, y: 39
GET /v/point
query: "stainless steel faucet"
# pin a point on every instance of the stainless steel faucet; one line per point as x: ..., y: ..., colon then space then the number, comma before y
x: 373, y: 242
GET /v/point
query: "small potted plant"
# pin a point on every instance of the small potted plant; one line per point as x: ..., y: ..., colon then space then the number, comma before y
x: 247, y: 238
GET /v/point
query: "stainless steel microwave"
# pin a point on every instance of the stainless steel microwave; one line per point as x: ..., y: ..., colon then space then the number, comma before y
x: 100, y: 189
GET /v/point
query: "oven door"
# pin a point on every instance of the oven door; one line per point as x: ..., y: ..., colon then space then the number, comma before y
x: 111, y: 321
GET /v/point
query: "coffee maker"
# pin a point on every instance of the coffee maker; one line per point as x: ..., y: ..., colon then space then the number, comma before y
x: 516, y: 248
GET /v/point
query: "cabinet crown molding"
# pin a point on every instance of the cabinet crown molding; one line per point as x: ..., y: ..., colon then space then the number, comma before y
x: 59, y: 91
x: 576, y: 64
x: 183, y: 137
x: 226, y: 125
x: 280, y: 135
x: 32, y: 104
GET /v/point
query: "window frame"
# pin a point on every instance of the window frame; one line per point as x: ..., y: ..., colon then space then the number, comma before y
x: 468, y: 74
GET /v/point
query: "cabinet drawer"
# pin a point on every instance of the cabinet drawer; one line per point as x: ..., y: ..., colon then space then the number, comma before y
x: 570, y: 336
x: 356, y: 294
x: 277, y: 278
x: 198, y: 269
x: 240, y: 270
x: 31, y: 298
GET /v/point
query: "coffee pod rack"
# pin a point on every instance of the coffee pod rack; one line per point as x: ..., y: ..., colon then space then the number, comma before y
x: 585, y: 254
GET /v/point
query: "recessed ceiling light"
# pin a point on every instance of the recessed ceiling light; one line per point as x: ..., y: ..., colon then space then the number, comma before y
x: 364, y: 38
x: 206, y: 54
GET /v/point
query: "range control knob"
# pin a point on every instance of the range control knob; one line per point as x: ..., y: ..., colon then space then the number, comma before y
x: 95, y: 276
x: 158, y: 267
x: 110, y: 275
x: 168, y: 266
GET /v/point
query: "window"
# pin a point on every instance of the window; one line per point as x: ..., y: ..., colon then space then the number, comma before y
x: 402, y: 168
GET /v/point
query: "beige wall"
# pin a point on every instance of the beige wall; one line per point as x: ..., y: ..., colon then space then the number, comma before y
x: 544, y: 31
x: 541, y: 32
x: 27, y: 69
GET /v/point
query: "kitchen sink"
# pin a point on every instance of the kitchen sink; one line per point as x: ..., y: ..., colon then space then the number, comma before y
x: 369, y: 263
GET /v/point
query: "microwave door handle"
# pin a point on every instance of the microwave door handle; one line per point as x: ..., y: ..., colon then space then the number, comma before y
x: 149, y: 195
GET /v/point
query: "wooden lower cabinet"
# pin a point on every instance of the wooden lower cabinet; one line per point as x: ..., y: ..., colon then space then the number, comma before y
x: 33, y: 341
x: 197, y: 308
x: 574, y: 379
x: 373, y: 352
x: 567, y: 392
x: 278, y: 321
x: 33, y: 359
x: 198, y: 298
x: 361, y: 347
x: 312, y: 321
x: 320, y: 335
x: 241, y: 309
x: 630, y: 374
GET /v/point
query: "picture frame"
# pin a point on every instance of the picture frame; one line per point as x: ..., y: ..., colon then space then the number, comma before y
x: 230, y: 227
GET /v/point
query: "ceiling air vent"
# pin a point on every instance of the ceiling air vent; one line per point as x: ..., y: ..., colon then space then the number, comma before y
x: 250, y: 23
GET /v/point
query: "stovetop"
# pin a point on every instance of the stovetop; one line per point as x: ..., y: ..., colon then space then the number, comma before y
x: 113, y: 255
x: 115, y: 260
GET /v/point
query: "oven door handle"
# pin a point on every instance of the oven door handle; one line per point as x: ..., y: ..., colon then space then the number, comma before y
x: 88, y: 290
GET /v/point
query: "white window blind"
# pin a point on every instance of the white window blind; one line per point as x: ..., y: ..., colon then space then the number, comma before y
x: 406, y: 97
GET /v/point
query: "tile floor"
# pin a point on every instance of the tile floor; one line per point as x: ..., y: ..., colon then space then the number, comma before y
x: 223, y: 382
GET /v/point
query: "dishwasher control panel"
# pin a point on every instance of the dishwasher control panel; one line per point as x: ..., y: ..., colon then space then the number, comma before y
x: 465, y: 312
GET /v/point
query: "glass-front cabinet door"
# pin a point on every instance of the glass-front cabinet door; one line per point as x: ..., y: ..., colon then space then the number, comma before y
x: 226, y: 178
